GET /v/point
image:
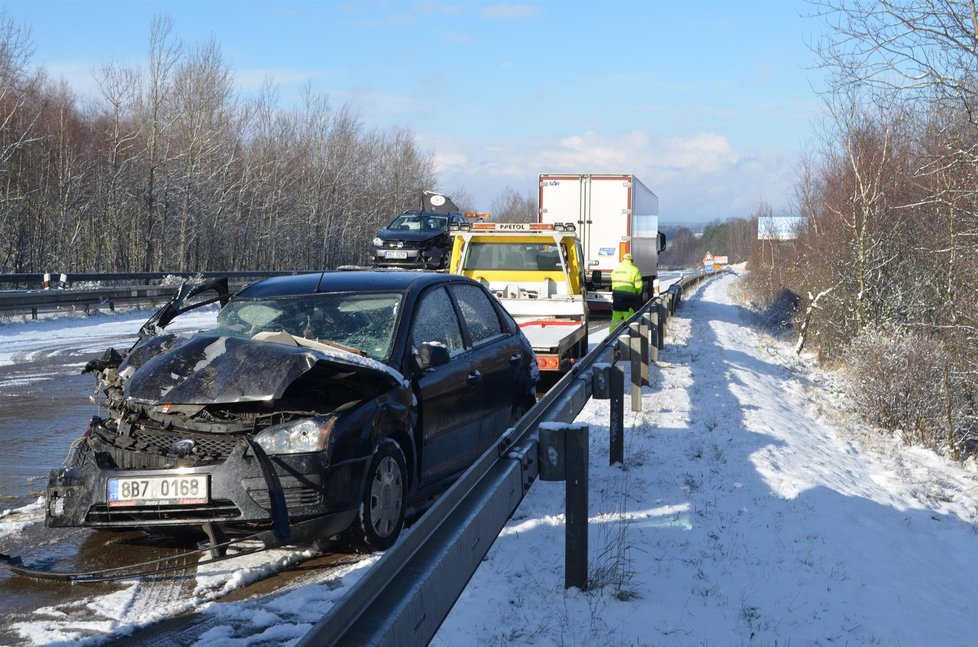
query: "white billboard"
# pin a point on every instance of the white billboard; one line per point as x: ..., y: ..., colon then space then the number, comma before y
x: 779, y: 227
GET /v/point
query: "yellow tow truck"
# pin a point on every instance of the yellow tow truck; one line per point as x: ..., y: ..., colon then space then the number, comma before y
x: 536, y: 271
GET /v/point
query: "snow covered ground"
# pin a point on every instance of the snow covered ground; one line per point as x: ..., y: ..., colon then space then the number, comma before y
x: 750, y: 509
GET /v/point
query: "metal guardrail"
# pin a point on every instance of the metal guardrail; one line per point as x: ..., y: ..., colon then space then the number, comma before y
x: 48, y: 300
x: 36, y: 279
x: 35, y: 301
x: 407, y: 594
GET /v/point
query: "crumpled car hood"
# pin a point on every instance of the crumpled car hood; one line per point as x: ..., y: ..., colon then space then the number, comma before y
x: 211, y: 369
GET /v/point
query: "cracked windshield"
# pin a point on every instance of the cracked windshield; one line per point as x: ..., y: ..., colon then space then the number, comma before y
x: 360, y: 322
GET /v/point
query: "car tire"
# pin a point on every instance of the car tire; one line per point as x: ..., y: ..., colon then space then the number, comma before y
x: 381, y: 516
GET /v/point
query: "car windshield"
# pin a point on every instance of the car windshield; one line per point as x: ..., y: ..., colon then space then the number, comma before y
x: 361, y: 321
x: 419, y: 222
x: 531, y: 257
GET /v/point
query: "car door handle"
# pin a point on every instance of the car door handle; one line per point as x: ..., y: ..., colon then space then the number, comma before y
x: 515, y: 359
x: 473, y: 378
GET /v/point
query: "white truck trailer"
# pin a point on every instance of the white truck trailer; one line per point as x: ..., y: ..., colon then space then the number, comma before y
x: 615, y: 215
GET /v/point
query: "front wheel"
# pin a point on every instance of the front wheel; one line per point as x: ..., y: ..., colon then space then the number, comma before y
x: 381, y: 515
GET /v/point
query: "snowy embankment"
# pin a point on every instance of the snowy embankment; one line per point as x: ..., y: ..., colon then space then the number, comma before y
x: 750, y: 510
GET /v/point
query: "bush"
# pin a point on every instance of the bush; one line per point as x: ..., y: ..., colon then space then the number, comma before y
x: 896, y: 381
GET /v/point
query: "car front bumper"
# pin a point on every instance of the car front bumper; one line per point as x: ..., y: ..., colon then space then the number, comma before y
x: 238, y: 499
x: 420, y: 258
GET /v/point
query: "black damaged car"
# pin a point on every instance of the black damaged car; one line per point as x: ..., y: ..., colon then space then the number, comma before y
x: 333, y: 402
x: 416, y: 239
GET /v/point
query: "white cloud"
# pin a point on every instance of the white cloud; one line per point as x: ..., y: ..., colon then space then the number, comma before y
x: 380, y: 108
x: 80, y: 76
x: 698, y: 177
x: 702, y: 152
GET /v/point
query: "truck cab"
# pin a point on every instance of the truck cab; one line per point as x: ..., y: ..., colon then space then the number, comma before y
x: 537, y: 273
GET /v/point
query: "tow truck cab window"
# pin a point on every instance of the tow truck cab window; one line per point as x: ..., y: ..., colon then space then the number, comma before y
x: 520, y: 256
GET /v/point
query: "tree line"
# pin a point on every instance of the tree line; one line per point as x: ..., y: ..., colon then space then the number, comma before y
x: 885, y: 271
x: 169, y: 170
x: 733, y: 238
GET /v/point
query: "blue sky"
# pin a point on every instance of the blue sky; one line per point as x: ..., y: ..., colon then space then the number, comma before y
x: 709, y: 103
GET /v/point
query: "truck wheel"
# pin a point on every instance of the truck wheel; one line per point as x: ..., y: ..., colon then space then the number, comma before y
x: 381, y: 515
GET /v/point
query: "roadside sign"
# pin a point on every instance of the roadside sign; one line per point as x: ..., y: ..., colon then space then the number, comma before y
x: 708, y: 259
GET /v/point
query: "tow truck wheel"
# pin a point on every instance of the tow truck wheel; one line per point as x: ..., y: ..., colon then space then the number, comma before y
x: 381, y: 515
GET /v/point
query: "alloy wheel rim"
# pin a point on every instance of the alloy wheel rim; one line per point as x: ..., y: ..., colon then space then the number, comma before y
x: 386, y: 496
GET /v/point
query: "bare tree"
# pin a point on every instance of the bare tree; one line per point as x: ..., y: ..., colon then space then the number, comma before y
x: 891, y: 252
x: 510, y: 206
x: 164, y: 52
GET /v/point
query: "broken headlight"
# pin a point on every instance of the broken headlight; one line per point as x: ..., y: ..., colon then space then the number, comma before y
x: 296, y: 437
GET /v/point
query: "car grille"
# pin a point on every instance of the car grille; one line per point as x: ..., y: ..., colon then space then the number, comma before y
x: 217, y: 509
x: 407, y: 244
x: 150, y: 449
x: 216, y: 445
x: 294, y: 497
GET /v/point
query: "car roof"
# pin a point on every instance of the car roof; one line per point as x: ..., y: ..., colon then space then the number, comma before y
x: 344, y: 281
x: 443, y: 214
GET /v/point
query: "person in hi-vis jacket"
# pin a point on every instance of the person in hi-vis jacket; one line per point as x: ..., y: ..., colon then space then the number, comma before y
x: 626, y: 290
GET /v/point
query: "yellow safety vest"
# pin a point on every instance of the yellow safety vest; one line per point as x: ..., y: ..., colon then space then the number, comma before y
x: 626, y: 278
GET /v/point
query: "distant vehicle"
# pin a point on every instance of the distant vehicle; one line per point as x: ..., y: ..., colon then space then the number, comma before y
x: 419, y: 239
x: 340, y: 397
x: 536, y: 272
x: 615, y: 215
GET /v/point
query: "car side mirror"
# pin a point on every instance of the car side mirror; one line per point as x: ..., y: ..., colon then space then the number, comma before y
x: 431, y: 354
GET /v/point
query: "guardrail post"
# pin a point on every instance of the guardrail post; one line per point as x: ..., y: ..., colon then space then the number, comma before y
x: 635, y: 355
x: 608, y: 383
x: 600, y: 388
x: 676, y: 290
x: 563, y: 456
x: 663, y: 319
x: 653, y: 319
x: 575, y: 559
x: 644, y: 328
x: 616, y: 425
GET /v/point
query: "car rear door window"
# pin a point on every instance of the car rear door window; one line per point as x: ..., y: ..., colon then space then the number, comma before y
x: 478, y: 312
x: 435, y: 320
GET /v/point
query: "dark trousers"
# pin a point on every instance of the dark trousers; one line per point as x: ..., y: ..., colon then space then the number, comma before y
x: 623, y: 305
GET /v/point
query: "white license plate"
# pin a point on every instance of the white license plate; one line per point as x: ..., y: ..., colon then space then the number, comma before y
x: 395, y: 254
x: 158, y: 490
